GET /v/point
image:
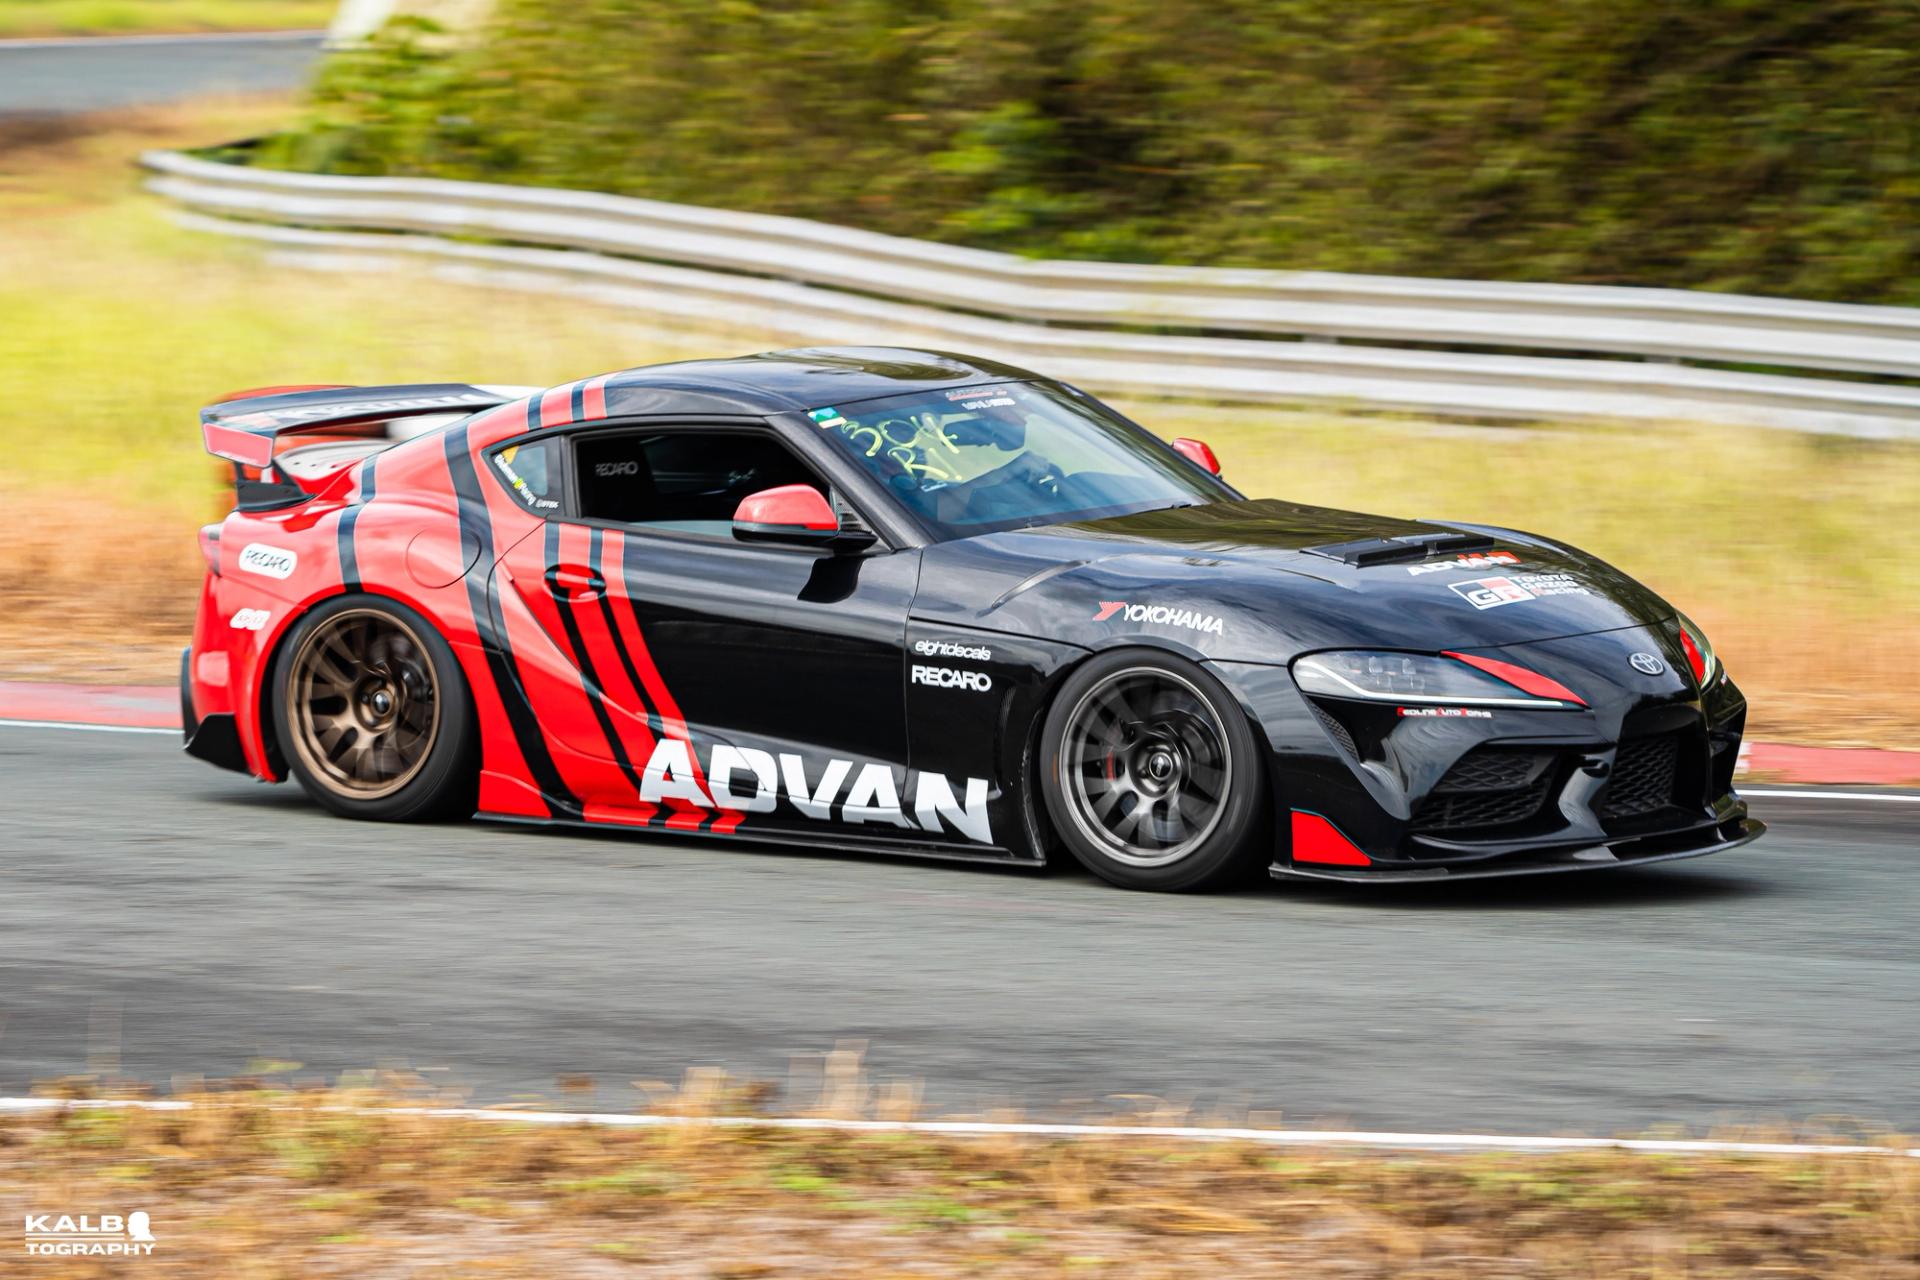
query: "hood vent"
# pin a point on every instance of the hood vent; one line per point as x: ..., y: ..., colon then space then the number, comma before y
x: 1416, y: 546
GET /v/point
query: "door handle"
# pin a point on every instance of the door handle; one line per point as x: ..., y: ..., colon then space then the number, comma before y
x: 569, y: 582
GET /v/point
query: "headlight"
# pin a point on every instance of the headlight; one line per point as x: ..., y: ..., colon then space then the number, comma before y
x: 1454, y: 679
x: 1699, y: 649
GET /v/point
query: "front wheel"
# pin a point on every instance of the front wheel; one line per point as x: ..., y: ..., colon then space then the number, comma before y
x: 373, y: 715
x: 1150, y: 773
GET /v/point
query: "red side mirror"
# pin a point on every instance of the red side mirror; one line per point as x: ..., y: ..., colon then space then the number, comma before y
x: 796, y: 514
x: 1197, y: 452
x: 789, y: 507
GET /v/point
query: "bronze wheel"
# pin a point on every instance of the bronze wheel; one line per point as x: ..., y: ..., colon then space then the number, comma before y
x: 363, y: 705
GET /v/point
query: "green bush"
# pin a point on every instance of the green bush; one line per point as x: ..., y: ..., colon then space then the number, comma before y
x: 1765, y: 146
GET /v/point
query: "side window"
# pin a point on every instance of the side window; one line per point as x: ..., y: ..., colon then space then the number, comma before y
x: 532, y: 472
x: 681, y: 481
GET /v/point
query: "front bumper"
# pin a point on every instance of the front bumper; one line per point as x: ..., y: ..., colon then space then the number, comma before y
x: 1643, y: 851
x: 1367, y: 791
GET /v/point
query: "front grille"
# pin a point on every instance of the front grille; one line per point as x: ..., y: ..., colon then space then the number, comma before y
x: 1489, y: 787
x: 1644, y: 775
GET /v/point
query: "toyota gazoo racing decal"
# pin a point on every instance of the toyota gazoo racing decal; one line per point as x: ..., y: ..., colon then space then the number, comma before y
x: 1160, y: 615
x: 1491, y: 593
x: 747, y: 780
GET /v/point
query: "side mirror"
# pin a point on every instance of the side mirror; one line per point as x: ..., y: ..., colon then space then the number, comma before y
x: 795, y: 515
x: 1197, y: 452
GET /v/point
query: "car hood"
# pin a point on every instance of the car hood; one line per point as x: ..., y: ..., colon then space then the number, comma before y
x: 1264, y: 580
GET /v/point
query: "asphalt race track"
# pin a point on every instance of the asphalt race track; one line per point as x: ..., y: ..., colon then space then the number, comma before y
x: 183, y: 921
x: 97, y: 73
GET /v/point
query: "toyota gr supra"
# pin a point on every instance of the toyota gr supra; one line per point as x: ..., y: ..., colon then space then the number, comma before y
x: 917, y: 602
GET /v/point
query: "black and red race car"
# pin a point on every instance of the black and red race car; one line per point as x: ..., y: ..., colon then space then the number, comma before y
x: 917, y: 602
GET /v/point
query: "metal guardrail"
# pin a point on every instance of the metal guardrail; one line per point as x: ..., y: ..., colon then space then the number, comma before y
x: 817, y: 282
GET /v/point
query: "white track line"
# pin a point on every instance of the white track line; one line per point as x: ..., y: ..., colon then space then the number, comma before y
x: 1442, y: 1142
x: 1895, y: 797
x: 85, y: 728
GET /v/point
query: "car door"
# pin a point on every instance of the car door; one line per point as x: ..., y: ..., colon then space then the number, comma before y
x: 730, y: 685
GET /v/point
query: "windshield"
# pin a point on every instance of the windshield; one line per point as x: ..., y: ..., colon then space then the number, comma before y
x: 975, y: 459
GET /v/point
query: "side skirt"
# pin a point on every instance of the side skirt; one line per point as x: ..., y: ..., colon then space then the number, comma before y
x: 839, y: 842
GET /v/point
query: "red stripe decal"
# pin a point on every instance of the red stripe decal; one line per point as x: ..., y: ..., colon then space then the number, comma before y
x: 555, y: 405
x: 1521, y: 678
x: 596, y: 398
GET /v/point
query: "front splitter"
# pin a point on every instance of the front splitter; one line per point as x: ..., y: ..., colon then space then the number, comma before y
x: 1596, y: 858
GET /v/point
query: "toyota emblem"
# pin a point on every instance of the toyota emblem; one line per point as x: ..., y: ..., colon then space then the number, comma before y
x: 1647, y: 664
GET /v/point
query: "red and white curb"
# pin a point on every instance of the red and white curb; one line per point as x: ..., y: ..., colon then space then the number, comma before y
x: 1347, y: 1138
x: 156, y: 709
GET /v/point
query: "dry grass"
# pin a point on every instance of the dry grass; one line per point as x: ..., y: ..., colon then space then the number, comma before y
x: 260, y: 1184
x: 142, y: 17
x: 115, y: 327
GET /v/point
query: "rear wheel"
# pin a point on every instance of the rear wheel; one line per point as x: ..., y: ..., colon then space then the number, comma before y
x: 1150, y: 773
x: 373, y: 715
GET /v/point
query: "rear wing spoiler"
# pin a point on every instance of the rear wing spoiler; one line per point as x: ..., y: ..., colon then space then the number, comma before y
x: 244, y: 429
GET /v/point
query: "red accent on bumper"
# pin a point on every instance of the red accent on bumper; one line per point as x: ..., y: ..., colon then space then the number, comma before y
x: 1317, y: 840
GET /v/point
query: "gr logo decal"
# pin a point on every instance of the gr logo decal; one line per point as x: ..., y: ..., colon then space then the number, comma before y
x: 268, y: 562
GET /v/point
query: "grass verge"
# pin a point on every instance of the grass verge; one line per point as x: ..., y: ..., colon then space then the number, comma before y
x: 261, y: 1183
x: 21, y: 18
x: 1793, y: 551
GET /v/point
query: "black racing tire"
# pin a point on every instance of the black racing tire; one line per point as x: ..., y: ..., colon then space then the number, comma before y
x: 1151, y: 774
x: 373, y: 714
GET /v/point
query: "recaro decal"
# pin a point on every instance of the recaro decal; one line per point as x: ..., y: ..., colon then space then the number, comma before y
x: 952, y: 678
x: 268, y: 562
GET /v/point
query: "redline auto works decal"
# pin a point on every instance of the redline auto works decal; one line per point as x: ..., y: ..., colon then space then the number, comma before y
x: 1472, y: 560
x: 1491, y: 593
x: 748, y: 780
x: 1161, y: 615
